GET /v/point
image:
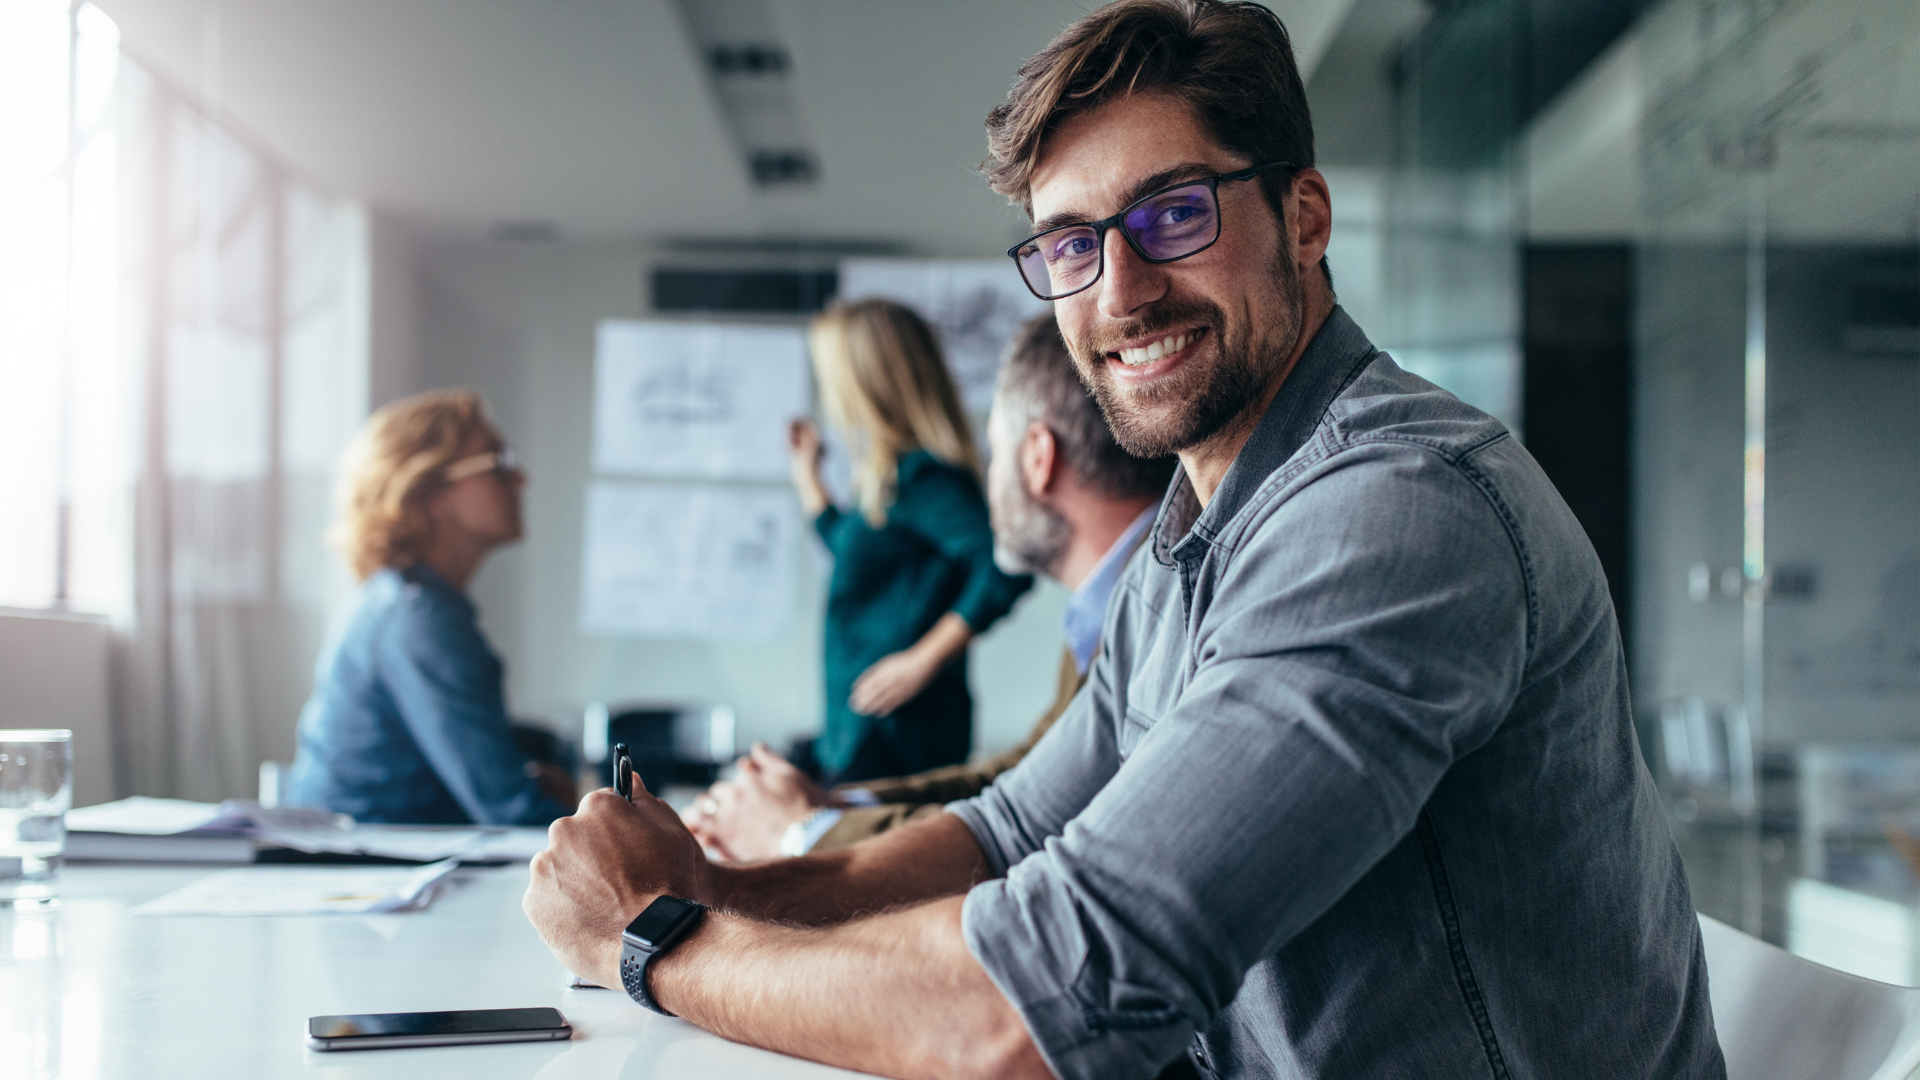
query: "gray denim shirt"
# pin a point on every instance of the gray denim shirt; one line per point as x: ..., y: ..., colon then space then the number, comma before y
x: 1352, y: 790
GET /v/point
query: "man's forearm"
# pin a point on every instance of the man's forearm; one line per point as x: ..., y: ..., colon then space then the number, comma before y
x: 923, y: 861
x: 896, y: 993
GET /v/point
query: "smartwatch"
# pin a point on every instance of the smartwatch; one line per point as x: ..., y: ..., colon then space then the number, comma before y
x: 651, y: 933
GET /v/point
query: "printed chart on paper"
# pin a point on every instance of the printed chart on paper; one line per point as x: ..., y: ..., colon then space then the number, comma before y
x: 687, y: 561
x: 697, y: 400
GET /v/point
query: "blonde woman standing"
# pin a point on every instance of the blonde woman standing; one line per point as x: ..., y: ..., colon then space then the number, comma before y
x: 913, y: 574
x: 407, y: 723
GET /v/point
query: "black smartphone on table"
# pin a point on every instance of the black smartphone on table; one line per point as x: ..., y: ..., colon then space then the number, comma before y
x: 380, y: 1031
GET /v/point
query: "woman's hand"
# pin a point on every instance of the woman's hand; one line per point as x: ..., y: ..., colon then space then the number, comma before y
x: 891, y: 682
x: 804, y: 450
x: 894, y: 680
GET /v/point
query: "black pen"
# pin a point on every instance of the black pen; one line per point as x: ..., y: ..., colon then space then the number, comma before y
x: 622, y: 772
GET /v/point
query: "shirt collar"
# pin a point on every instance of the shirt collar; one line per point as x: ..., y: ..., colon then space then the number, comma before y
x: 1087, y: 609
x: 1335, y: 355
x: 427, y: 577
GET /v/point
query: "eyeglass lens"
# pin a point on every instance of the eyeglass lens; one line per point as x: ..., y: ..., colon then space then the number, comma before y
x: 1163, y: 227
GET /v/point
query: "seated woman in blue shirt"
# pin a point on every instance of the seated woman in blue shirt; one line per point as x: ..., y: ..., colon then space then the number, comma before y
x: 913, y: 573
x: 407, y: 722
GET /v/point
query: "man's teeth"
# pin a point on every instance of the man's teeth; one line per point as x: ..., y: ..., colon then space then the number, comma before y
x: 1150, y: 353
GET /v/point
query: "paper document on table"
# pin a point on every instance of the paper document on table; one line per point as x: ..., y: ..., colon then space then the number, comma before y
x: 421, y: 843
x: 509, y: 845
x: 689, y: 399
x: 299, y: 828
x: 144, y: 816
x: 304, y: 890
x: 687, y: 561
x: 385, y: 841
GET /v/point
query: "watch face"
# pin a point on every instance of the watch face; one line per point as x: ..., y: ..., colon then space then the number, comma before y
x: 659, y: 921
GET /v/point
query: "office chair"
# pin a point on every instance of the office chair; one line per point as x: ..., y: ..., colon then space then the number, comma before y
x: 1782, y: 1017
x: 672, y: 745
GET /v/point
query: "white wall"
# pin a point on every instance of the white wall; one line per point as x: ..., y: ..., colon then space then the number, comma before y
x: 55, y: 672
x: 517, y: 324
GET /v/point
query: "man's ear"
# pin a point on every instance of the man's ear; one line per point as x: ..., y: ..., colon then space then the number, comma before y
x: 1311, y: 219
x: 1037, y: 460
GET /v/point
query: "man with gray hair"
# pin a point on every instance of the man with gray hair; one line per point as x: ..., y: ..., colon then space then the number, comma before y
x: 1067, y: 502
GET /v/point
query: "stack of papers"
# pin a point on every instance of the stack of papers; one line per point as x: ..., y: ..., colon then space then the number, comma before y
x: 176, y: 830
x: 305, y: 890
x: 172, y: 830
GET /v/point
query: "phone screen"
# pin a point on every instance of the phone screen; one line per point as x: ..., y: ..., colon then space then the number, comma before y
x: 461, y: 1022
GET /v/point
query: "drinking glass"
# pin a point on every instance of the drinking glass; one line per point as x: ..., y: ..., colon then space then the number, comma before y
x: 36, y: 790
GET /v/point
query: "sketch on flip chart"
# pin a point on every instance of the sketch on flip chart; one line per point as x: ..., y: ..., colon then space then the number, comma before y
x: 705, y: 400
x: 687, y: 561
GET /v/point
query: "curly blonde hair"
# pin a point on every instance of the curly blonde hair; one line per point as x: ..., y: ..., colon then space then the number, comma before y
x: 390, y: 468
x: 883, y: 382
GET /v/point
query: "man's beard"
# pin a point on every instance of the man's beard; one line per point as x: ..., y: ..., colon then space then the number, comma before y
x: 1029, y: 537
x: 1200, y: 399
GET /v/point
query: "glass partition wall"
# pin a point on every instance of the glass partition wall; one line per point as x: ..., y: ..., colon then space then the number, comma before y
x: 1765, y: 157
x: 1778, y: 464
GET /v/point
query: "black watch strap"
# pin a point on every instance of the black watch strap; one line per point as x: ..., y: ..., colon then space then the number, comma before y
x: 655, y: 930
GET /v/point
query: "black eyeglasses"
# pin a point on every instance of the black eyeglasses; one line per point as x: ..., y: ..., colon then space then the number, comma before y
x: 1165, y: 226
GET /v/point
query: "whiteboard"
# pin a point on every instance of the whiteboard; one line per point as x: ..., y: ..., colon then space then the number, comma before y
x: 689, y: 561
x: 685, y: 399
x: 973, y: 305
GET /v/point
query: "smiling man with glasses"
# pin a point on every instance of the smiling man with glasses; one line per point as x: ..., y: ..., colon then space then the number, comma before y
x: 1352, y: 789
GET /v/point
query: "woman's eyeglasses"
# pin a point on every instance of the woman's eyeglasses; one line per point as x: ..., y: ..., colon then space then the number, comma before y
x: 1165, y: 226
x: 503, y: 462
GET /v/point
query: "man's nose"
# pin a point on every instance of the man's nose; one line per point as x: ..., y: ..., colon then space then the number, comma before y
x: 1128, y: 282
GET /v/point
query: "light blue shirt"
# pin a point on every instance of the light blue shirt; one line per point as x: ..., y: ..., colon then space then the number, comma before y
x: 1088, y: 608
x: 407, y: 723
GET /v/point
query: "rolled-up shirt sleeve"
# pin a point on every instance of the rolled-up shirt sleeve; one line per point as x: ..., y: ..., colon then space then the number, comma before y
x: 1339, y: 671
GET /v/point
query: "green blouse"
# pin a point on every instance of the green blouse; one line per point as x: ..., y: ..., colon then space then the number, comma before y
x: 889, y: 586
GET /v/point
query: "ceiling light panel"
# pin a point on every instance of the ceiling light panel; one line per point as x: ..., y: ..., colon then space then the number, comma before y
x: 751, y: 71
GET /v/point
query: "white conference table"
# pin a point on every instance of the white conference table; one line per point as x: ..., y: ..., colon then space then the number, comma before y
x: 89, y: 991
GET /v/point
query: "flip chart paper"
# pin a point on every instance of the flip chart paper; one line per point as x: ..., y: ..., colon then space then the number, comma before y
x: 697, y: 400
x: 687, y: 561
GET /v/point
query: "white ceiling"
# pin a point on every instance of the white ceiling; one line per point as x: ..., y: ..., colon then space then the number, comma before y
x: 595, y: 115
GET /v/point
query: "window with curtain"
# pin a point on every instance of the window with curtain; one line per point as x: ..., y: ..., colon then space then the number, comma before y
x: 181, y: 359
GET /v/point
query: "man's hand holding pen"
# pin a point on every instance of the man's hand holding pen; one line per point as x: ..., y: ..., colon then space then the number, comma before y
x: 604, y: 865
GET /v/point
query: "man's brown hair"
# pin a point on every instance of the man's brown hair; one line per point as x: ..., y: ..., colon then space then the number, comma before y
x: 1230, y: 60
